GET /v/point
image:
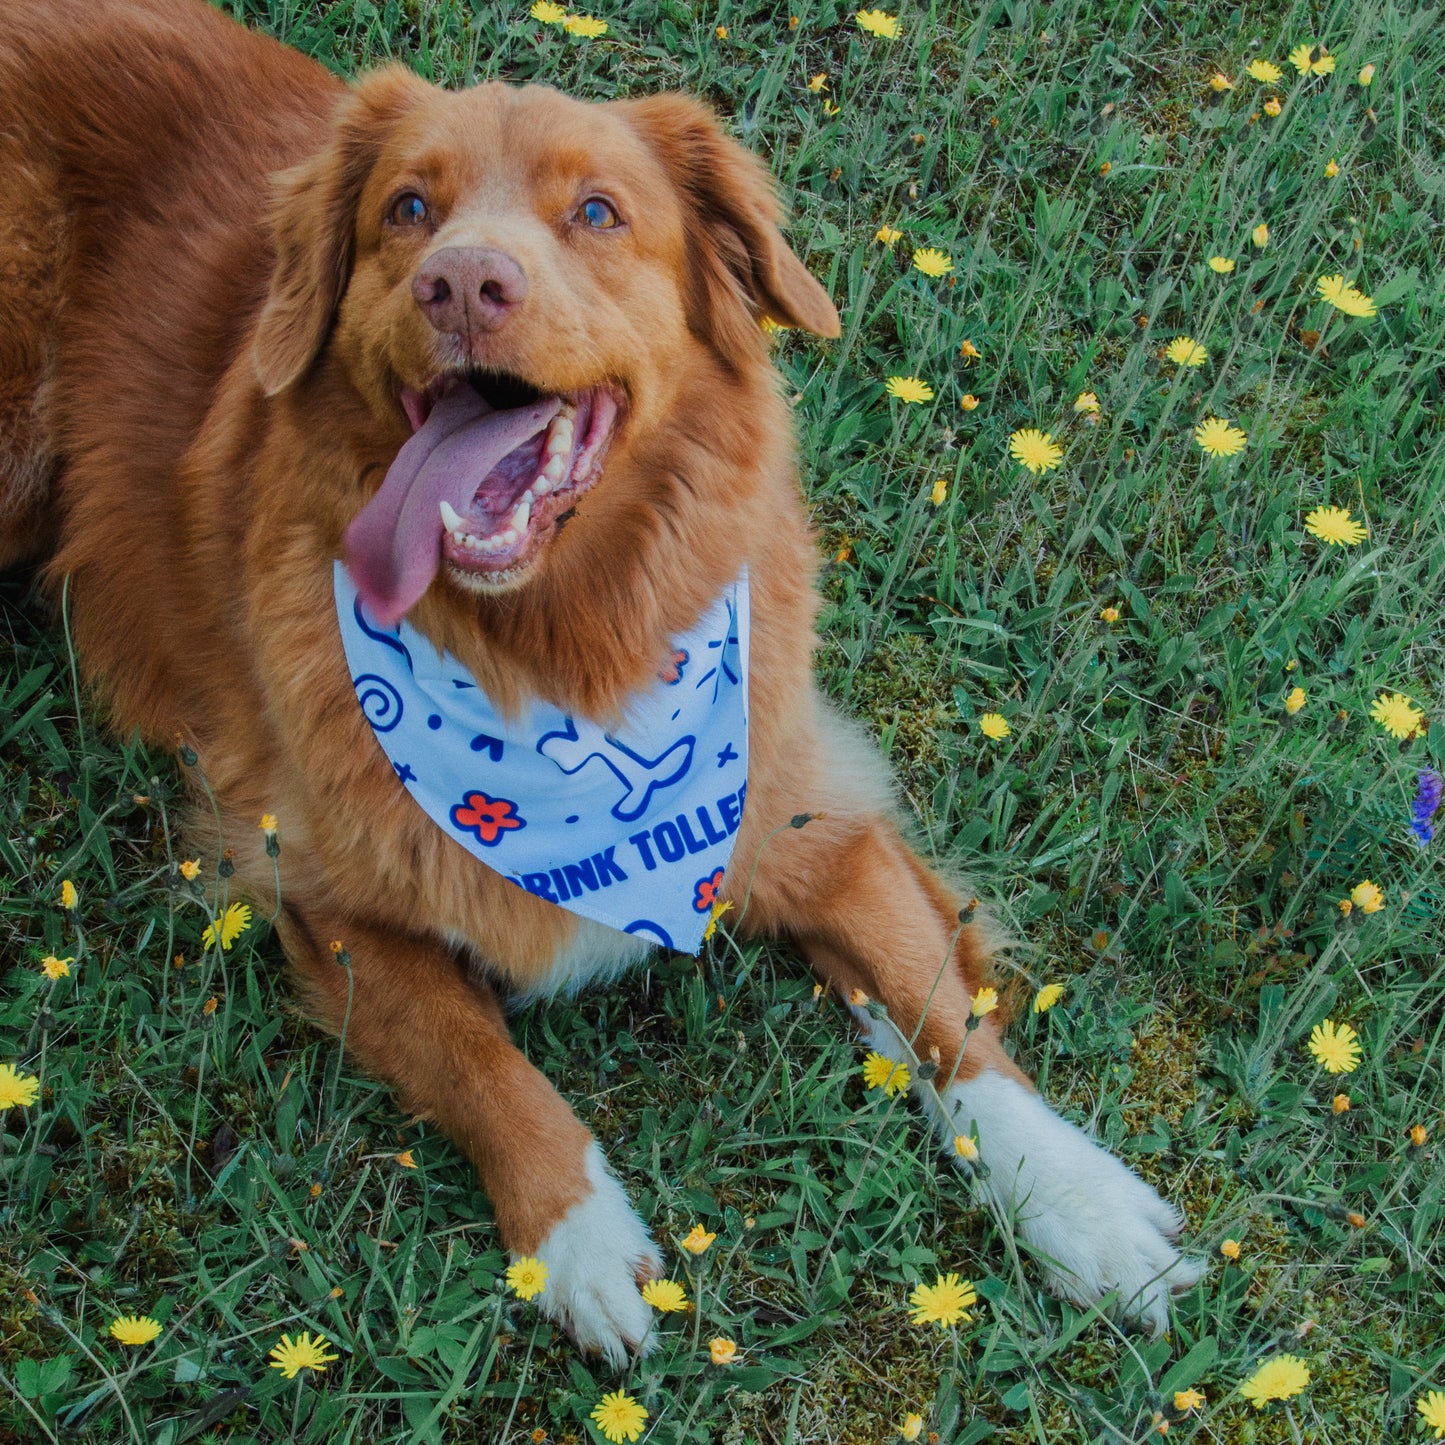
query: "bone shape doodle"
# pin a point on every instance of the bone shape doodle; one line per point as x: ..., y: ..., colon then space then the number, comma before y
x: 580, y: 741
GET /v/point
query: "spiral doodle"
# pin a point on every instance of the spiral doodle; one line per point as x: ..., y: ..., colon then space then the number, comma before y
x: 381, y: 703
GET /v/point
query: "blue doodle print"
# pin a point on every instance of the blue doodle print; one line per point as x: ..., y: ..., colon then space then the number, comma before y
x: 646, y: 928
x: 381, y: 703
x: 727, y: 663
x: 387, y: 639
x: 575, y: 746
x: 486, y: 819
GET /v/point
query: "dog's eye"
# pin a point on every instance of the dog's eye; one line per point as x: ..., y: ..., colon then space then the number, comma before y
x: 408, y: 210
x: 598, y: 214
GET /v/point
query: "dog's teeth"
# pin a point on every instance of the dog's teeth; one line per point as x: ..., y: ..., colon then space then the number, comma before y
x: 469, y: 540
x: 450, y: 520
x: 555, y: 469
x: 541, y: 486
x: 508, y: 538
x: 521, y: 515
x: 559, y: 439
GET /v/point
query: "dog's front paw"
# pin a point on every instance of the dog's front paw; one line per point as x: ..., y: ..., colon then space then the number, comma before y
x: 597, y: 1256
x: 1094, y: 1225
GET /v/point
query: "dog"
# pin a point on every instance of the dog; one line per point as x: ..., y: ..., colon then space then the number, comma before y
x: 334, y: 404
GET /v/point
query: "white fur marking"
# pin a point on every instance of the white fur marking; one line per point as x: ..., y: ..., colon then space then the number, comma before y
x: 594, y: 954
x: 1094, y: 1224
x: 592, y: 1256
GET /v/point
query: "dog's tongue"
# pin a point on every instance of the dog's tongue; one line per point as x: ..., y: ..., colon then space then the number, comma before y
x: 393, y: 548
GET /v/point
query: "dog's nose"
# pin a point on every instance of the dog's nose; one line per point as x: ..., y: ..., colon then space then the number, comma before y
x: 463, y: 289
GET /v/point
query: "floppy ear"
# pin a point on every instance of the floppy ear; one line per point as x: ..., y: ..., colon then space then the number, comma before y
x: 741, y: 269
x: 313, y: 224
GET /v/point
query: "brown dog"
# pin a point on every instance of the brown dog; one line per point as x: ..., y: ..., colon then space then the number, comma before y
x: 214, y: 385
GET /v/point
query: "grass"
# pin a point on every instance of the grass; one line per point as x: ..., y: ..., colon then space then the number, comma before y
x: 1172, y: 844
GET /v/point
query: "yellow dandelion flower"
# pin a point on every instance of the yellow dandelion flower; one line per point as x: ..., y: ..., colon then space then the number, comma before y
x: 911, y: 389
x: 721, y: 32
x: 819, y: 82
x: 230, y: 926
x: 1220, y: 81
x: 1185, y: 351
x: 994, y: 725
x: 965, y: 1146
x: 1276, y: 1379
x: 985, y: 1001
x: 857, y: 998
x: 68, y: 896
x: 932, y: 262
x: 968, y: 401
x: 939, y: 495
x: 1260, y: 235
x: 1347, y: 298
x: 1086, y: 401
x: 1265, y: 71
x: 1419, y: 1134
x: 944, y: 1302
x: 305, y: 1352
x: 878, y: 22
x: 1295, y: 701
x: 719, y: 907
x: 1187, y: 1400
x: 53, y: 967
x: 1367, y: 74
x: 548, y: 13
x: 887, y: 235
x: 619, y: 1417
x: 1304, y: 60
x: 912, y: 1427
x: 1035, y: 450
x: 1335, y: 526
x: 1336, y: 1047
x: 190, y: 869
x: 17, y: 1090
x: 1230, y: 1249
x: 829, y: 109
x: 134, y: 1330
x: 1367, y: 897
x: 1396, y: 714
x: 969, y: 352
x: 1218, y: 438
x: 1222, y: 264
x: 406, y: 1159
x: 722, y: 1351
x: 589, y: 27
x: 1432, y: 1405
x: 665, y: 1295
x: 1110, y: 615
x: 1047, y: 997
x: 1340, y: 1104
x: 880, y: 1072
x: 1273, y: 106
x: 267, y: 823
x: 1332, y: 168
x: 698, y: 1241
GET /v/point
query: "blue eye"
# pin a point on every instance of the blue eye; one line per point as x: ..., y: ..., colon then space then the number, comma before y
x: 598, y: 214
x: 408, y: 210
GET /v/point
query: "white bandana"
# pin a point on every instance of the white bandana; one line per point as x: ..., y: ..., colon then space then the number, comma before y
x: 633, y: 828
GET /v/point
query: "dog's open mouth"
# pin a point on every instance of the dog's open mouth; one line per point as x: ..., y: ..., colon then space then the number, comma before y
x: 491, y: 468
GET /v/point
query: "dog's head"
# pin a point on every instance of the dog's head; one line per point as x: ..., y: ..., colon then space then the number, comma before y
x: 525, y: 280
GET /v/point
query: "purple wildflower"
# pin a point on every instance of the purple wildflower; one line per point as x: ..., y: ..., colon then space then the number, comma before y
x: 1428, y: 792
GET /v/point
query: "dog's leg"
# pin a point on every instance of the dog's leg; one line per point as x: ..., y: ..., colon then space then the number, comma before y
x: 415, y: 1019
x: 868, y: 915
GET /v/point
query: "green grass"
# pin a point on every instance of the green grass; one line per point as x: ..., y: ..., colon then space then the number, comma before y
x: 1169, y: 842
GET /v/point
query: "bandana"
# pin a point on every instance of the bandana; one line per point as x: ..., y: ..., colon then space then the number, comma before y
x: 632, y: 827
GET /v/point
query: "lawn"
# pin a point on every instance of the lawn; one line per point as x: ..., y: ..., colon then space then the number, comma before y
x: 1190, y: 783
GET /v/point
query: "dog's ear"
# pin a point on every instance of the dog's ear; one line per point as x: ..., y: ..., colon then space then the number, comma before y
x: 313, y: 226
x: 740, y: 267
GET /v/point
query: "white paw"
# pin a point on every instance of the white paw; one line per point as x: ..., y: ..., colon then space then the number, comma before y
x: 1094, y: 1225
x: 595, y: 1256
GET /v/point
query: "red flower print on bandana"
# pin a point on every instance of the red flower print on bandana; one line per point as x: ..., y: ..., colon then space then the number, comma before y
x: 486, y: 818
x: 706, y: 894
